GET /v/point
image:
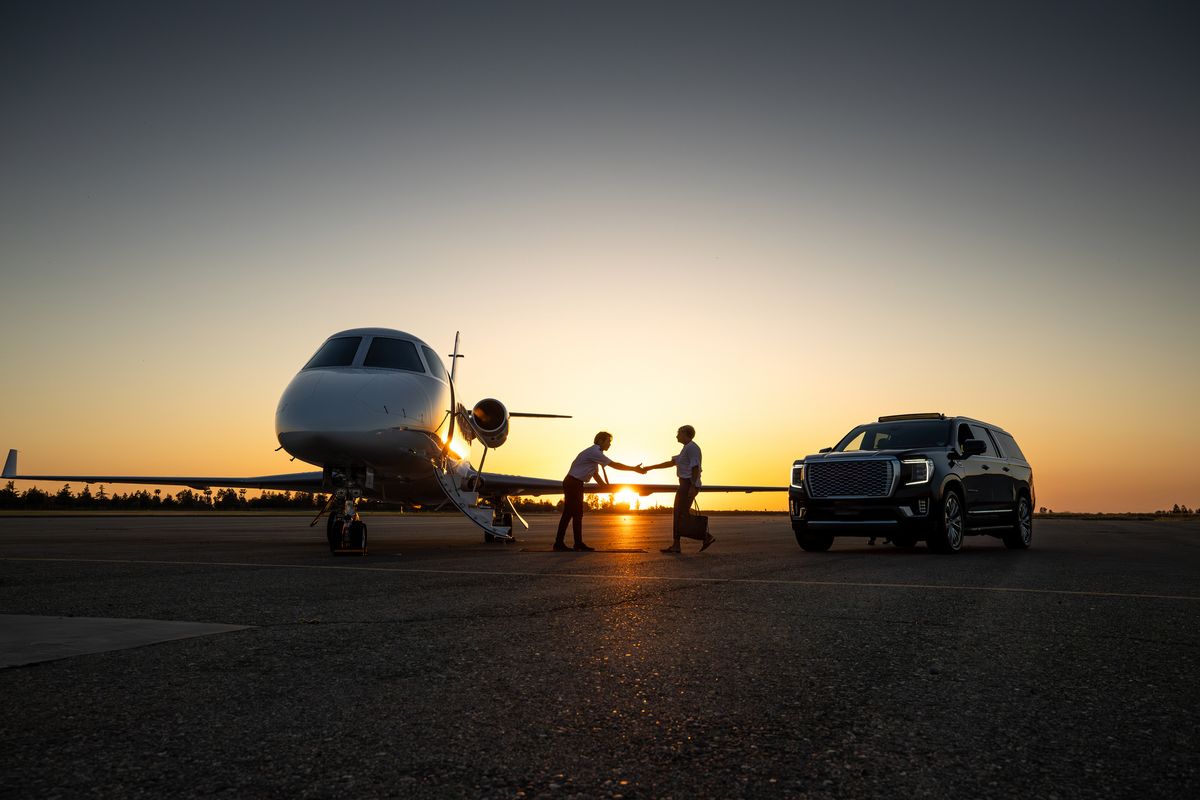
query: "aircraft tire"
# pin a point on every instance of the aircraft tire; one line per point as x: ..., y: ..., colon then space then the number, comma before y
x: 357, y: 535
x: 333, y: 531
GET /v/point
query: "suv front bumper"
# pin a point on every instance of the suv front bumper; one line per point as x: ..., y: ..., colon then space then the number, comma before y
x: 909, y: 508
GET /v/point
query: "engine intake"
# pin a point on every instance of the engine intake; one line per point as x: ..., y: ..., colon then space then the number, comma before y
x: 489, y: 422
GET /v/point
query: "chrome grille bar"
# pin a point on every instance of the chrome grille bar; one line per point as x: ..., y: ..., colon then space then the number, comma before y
x: 851, y: 478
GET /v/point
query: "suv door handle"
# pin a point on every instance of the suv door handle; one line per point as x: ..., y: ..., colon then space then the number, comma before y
x: 1004, y: 468
x: 985, y: 466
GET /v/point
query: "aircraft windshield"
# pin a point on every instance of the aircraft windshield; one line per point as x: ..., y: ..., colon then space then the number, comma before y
x: 896, y: 436
x: 335, y: 353
x: 386, y: 353
x: 435, y: 364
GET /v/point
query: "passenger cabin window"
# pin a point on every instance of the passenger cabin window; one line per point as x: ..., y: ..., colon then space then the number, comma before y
x: 335, y: 353
x: 435, y: 364
x: 387, y: 353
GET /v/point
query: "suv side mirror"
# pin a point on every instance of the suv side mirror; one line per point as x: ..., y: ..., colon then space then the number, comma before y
x: 974, y: 447
x: 825, y: 450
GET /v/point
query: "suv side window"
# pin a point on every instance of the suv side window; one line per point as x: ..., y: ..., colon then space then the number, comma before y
x: 1009, y: 445
x: 983, y: 435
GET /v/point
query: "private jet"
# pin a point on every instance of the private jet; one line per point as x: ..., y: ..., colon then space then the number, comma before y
x: 377, y: 411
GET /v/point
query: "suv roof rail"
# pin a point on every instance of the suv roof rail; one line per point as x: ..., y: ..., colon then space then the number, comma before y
x: 927, y: 415
x: 982, y: 422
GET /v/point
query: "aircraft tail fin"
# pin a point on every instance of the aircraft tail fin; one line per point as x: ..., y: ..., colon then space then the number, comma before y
x: 10, y: 465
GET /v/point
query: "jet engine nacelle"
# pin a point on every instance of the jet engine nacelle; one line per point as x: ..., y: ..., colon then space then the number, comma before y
x: 489, y: 422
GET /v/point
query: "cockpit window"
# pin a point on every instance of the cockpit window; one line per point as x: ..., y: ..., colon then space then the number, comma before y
x: 335, y: 353
x: 435, y: 364
x: 387, y: 353
x: 896, y: 436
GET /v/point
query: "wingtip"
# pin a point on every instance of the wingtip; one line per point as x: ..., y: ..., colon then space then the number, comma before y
x: 10, y: 465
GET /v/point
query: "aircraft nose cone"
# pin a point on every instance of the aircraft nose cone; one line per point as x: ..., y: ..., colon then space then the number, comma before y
x: 292, y: 412
x: 340, y: 401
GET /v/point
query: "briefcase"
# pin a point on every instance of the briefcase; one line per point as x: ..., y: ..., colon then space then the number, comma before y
x: 696, y: 524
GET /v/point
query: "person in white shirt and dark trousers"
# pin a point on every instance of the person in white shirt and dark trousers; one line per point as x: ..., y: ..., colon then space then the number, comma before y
x: 587, y: 465
x: 687, y: 468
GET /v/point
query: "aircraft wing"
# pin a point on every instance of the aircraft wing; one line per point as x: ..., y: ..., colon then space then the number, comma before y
x: 518, y: 484
x: 294, y: 482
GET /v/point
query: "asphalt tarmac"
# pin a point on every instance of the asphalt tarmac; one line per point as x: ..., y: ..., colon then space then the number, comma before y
x: 440, y: 666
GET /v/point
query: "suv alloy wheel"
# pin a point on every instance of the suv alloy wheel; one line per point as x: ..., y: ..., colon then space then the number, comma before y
x: 811, y: 542
x: 1021, y: 536
x: 947, y: 535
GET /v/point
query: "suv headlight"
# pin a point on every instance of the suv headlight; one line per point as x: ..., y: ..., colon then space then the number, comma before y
x: 798, y: 474
x: 916, y: 471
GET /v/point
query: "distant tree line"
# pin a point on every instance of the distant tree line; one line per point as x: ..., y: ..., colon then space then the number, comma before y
x: 1176, y: 510
x: 34, y: 499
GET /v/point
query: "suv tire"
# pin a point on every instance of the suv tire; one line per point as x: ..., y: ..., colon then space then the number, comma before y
x: 812, y: 542
x: 948, y: 530
x: 1021, y: 535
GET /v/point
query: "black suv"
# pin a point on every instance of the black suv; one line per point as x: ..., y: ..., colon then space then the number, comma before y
x: 911, y: 477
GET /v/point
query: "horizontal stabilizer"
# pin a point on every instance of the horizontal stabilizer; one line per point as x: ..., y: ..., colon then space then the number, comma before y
x: 538, y: 416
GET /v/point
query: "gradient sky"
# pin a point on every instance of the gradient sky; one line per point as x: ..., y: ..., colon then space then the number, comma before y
x: 771, y: 221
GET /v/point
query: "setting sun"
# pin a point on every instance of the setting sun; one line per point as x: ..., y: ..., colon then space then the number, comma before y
x: 627, y: 497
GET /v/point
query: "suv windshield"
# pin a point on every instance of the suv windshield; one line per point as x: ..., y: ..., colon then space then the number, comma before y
x: 896, y: 436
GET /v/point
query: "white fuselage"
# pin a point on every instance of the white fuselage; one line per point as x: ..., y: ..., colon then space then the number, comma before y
x: 355, y: 407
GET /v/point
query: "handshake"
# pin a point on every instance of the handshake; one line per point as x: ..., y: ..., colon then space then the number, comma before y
x: 640, y: 469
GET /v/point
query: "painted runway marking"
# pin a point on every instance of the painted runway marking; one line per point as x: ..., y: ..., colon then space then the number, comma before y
x: 595, y: 576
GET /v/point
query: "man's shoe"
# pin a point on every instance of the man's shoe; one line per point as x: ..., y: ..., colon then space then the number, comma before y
x: 561, y: 547
x: 708, y: 540
x: 583, y: 548
x: 672, y: 549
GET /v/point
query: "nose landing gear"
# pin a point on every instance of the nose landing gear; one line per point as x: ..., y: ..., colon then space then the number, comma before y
x: 345, y: 530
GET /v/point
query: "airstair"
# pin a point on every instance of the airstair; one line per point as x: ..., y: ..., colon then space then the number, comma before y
x: 454, y: 483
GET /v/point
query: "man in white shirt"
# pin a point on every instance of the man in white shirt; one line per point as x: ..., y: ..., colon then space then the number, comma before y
x: 687, y: 468
x: 586, y: 466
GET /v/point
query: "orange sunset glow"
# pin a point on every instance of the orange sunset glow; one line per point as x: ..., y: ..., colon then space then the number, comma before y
x: 766, y: 246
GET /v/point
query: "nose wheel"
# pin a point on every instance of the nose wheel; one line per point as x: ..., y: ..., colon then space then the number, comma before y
x: 346, y: 532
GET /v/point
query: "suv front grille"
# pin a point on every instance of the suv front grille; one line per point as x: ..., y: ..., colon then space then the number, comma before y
x: 850, y: 478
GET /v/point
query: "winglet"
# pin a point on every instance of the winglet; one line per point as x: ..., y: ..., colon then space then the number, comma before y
x: 454, y: 357
x: 10, y: 465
